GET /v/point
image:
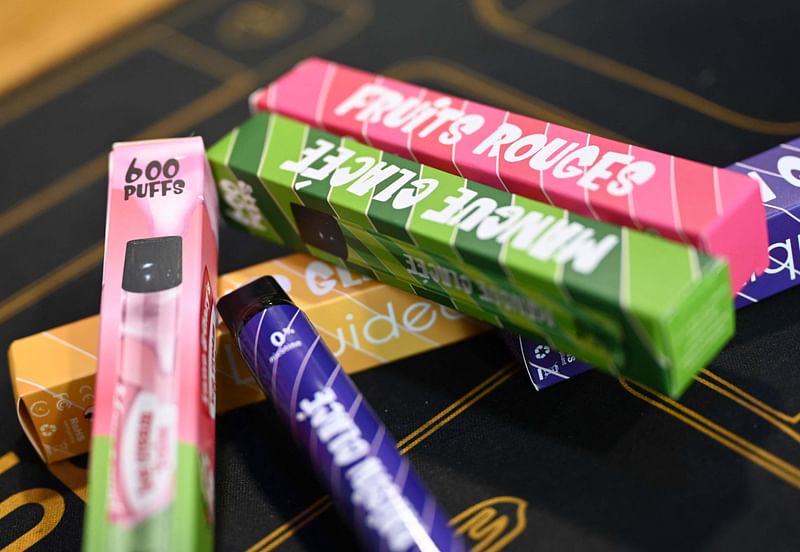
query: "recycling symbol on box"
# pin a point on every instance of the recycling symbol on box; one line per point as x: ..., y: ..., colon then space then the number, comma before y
x: 47, y: 429
x: 541, y: 351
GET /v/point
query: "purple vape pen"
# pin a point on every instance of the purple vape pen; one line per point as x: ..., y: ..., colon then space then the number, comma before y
x: 354, y: 456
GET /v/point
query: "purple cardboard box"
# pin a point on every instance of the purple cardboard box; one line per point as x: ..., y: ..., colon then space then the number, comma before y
x: 545, y: 366
x: 778, y: 172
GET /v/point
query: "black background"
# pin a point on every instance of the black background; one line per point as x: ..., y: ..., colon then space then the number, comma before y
x: 598, y: 465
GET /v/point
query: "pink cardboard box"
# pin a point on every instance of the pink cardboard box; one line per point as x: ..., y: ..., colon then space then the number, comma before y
x: 151, y: 469
x: 716, y: 210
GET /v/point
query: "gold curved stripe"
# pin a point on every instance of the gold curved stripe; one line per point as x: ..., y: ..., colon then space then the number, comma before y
x: 187, y: 51
x: 52, y: 195
x: 8, y: 461
x: 494, y: 17
x: 532, y: 11
x: 61, y: 81
x: 519, y: 526
x: 356, y: 14
x: 39, y: 36
x: 498, y: 382
x: 794, y: 470
x: 456, y: 76
x: 224, y: 95
x: 779, y: 468
x: 792, y: 419
x: 424, y: 427
x: 290, y: 528
x: 72, y: 476
x: 794, y: 435
x: 75, y: 267
x: 52, y: 505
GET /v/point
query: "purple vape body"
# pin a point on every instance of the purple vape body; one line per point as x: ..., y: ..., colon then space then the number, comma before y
x: 350, y: 449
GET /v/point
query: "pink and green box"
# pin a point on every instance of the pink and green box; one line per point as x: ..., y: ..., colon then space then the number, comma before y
x: 716, y: 210
x: 151, y: 469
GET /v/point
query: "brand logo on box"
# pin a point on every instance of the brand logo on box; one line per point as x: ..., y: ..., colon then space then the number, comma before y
x: 242, y: 207
x: 384, y: 325
x: 377, y: 104
x: 781, y: 257
x: 543, y: 237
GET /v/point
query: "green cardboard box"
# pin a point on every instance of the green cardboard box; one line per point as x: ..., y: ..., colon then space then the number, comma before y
x: 632, y: 304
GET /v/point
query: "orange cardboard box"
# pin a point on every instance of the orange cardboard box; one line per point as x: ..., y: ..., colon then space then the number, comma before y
x: 365, y: 324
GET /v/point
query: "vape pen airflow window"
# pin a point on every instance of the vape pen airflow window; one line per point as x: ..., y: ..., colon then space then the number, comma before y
x: 152, y: 264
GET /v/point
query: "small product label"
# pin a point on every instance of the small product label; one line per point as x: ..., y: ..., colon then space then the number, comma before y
x: 242, y: 206
x: 208, y: 344
x: 147, y: 456
x: 208, y: 388
x: 279, y: 341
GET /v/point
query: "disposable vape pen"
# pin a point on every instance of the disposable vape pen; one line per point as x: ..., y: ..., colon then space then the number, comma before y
x: 350, y: 449
x: 144, y: 420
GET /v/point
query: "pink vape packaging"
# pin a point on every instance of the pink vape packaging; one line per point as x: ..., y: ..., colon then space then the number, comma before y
x: 716, y: 210
x: 152, y: 458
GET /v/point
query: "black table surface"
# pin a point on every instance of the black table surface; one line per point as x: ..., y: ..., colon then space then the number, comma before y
x: 592, y: 464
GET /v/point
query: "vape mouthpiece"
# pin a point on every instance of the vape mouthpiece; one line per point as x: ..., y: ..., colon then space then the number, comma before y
x: 238, y: 306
